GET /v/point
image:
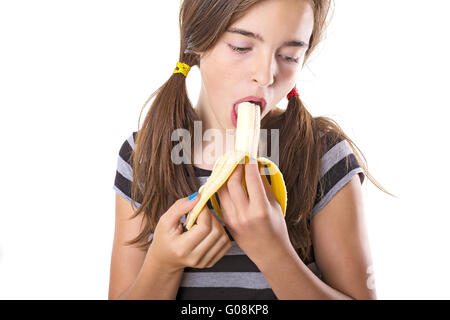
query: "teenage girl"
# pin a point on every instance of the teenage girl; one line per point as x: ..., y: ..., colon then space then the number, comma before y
x: 245, y: 50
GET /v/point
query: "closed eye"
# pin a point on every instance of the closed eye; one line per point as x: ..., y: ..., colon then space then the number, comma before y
x: 244, y: 50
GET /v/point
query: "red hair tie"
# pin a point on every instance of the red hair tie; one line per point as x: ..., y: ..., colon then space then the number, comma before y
x: 293, y: 92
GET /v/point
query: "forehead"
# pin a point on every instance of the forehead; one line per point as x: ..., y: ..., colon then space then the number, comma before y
x: 275, y: 21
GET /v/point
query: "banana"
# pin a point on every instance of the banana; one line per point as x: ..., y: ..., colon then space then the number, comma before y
x: 245, y: 146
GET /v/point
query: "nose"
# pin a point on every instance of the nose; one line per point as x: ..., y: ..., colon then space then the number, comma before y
x: 263, y: 73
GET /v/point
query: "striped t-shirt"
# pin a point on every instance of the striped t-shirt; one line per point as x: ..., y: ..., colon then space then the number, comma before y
x: 235, y: 276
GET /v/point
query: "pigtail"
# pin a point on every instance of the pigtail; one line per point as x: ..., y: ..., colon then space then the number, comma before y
x: 302, y: 162
x: 299, y: 163
x: 153, y: 169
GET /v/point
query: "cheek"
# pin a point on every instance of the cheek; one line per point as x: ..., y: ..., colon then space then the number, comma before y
x: 222, y: 73
x: 228, y: 69
x: 211, y: 75
x: 220, y: 81
x: 220, y: 67
x: 287, y: 74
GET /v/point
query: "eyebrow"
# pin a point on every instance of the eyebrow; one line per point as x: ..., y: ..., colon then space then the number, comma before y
x: 291, y: 43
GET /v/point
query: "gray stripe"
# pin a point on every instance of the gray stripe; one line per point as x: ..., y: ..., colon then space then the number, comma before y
x: 202, y: 180
x: 235, y: 250
x: 333, y: 156
x: 124, y: 168
x: 125, y: 196
x: 250, y: 280
x: 324, y: 201
x: 131, y: 141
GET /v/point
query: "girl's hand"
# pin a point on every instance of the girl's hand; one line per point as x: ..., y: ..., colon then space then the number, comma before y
x: 200, y: 247
x: 255, y: 221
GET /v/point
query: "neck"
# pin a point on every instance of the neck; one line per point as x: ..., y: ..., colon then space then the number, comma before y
x: 213, y: 138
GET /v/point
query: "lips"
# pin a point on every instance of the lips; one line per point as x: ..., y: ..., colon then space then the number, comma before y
x: 253, y: 99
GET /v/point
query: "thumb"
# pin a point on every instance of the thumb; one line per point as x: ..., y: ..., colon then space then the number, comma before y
x: 179, y: 209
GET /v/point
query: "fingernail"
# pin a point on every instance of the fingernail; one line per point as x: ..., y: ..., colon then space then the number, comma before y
x: 193, y: 196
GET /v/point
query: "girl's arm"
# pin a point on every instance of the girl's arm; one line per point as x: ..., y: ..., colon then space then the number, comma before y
x: 341, y: 251
x: 153, y: 283
x: 133, y: 274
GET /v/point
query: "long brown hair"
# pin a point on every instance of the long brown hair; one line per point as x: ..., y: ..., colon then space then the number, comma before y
x: 158, y: 182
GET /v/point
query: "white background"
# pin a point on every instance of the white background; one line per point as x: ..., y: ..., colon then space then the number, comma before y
x: 75, y: 74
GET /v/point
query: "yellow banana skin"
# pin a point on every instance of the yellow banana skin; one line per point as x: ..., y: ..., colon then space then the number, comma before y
x: 246, y: 146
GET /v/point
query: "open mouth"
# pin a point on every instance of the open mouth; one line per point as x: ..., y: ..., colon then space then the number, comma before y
x: 259, y: 103
x: 235, y: 111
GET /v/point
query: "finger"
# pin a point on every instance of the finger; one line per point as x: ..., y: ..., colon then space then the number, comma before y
x: 226, y: 205
x: 254, y: 182
x: 236, y: 189
x: 204, y: 218
x: 210, y: 246
x: 212, y: 243
x: 177, y: 210
x: 199, y: 231
x: 221, y: 252
x: 215, y: 254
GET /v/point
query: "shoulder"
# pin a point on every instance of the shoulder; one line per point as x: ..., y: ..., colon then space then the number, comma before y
x: 124, y: 170
x: 338, y: 164
x: 127, y: 147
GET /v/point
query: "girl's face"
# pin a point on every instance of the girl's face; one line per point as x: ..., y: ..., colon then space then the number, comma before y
x: 259, y: 55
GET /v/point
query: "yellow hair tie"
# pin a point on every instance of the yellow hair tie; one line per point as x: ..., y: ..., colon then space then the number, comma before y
x: 182, y: 68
